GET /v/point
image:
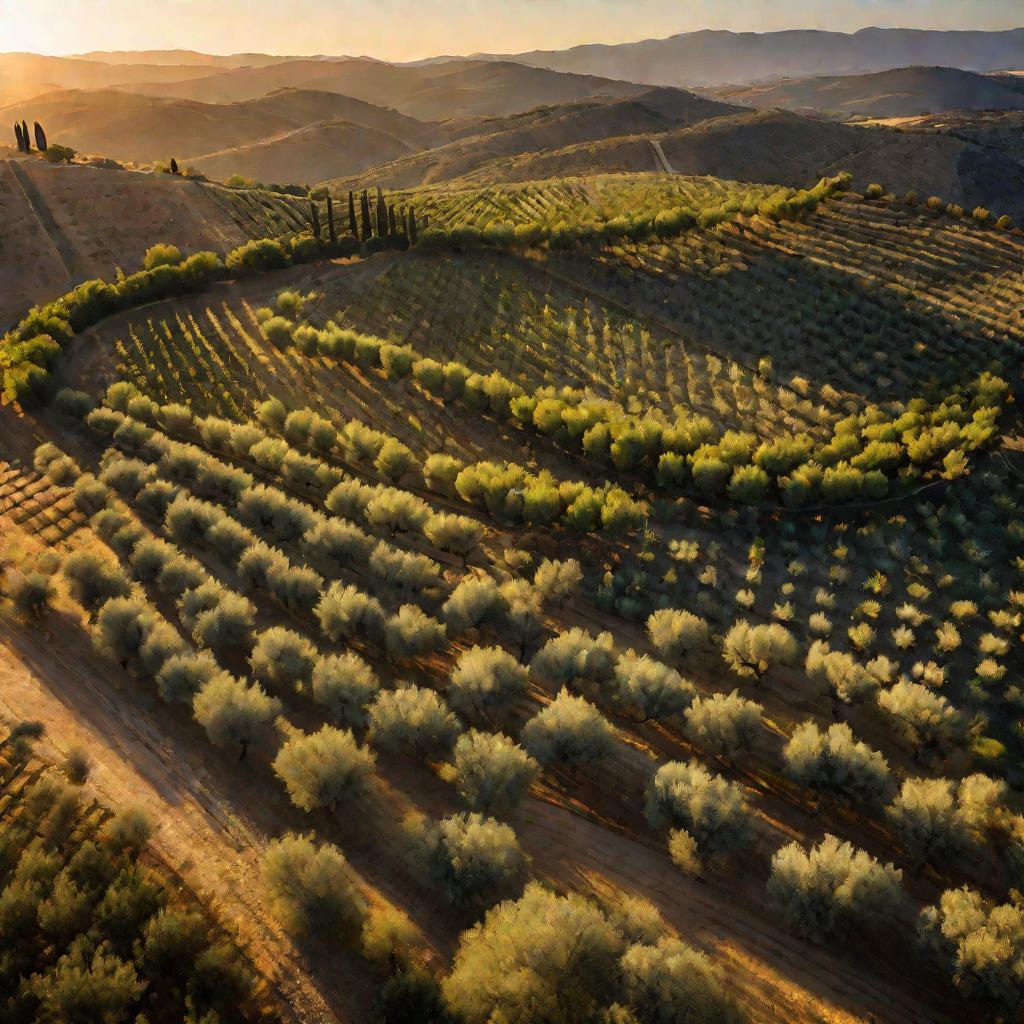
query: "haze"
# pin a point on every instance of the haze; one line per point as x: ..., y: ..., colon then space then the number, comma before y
x: 407, y: 30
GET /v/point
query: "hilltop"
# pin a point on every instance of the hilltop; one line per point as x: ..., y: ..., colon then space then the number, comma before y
x: 904, y: 92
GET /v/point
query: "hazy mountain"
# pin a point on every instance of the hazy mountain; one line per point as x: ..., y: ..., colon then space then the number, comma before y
x: 905, y: 92
x: 23, y: 75
x: 183, y: 58
x: 455, y: 89
x: 718, y: 58
x: 127, y: 126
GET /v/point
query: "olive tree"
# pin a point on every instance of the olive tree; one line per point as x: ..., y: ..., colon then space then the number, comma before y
x: 233, y: 711
x: 122, y: 626
x: 475, y: 602
x: 576, y: 659
x: 345, y: 685
x: 832, y: 888
x: 979, y: 944
x: 412, y: 721
x: 93, y: 579
x: 569, y: 731
x: 675, y: 632
x: 324, y: 767
x: 283, y: 659
x: 227, y: 626
x: 723, y: 723
x: 710, y: 809
x: 491, y: 772
x: 32, y: 594
x: 559, y: 953
x: 412, y: 634
x: 558, y: 581
x: 754, y: 650
x: 310, y: 889
x: 650, y: 689
x: 839, y: 675
x: 928, y: 819
x: 475, y: 861
x: 347, y: 613
x: 486, y: 681
x: 183, y: 675
x: 835, y: 762
x: 926, y: 719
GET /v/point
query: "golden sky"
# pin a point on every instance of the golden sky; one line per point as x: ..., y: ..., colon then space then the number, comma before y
x: 410, y: 29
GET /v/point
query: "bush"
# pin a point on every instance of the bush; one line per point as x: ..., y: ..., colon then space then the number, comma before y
x: 925, y: 718
x: 675, y: 632
x: 182, y: 676
x: 323, y: 768
x: 754, y: 650
x: 226, y: 627
x: 835, y: 762
x: 336, y: 545
x: 161, y: 255
x: 927, y: 819
x: 576, y: 659
x: 475, y: 861
x: 486, y: 681
x: 570, y: 731
x: 832, y: 888
x: 122, y: 626
x: 456, y: 534
x: 346, y: 613
x: 440, y: 472
x: 310, y: 889
x: 93, y: 579
x: 412, y: 721
x: 346, y: 686
x: 413, y: 996
x: 723, y: 724
x: 711, y: 810
x: 979, y: 944
x: 232, y: 711
x: 491, y: 772
x: 475, y: 602
x: 257, y: 255
x: 650, y: 689
x: 397, y: 511
x: 542, y: 950
x: 282, y: 658
x: 671, y: 981
x: 558, y: 581
x: 839, y: 674
x: 412, y: 634
x: 32, y: 594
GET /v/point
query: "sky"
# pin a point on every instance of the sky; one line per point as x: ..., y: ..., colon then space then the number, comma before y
x: 412, y: 29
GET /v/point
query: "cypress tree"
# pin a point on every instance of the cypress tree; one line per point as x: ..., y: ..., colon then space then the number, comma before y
x: 364, y: 204
x: 413, y: 237
x: 392, y: 223
x: 352, y: 225
x: 40, y: 138
x: 314, y: 217
x: 174, y: 166
x: 332, y: 234
x: 17, y: 135
x: 25, y: 135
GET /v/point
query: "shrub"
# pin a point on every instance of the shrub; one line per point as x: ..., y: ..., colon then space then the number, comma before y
x: 558, y: 581
x: 257, y: 255
x: 475, y: 861
x: 232, y: 711
x: 404, y: 570
x: 182, y: 676
x: 486, y: 680
x: 161, y: 255
x: 979, y: 944
x: 924, y: 717
x: 412, y: 721
x: 122, y: 625
x: 542, y: 950
x: 570, y: 731
x: 412, y: 634
x: 310, y: 889
x: 723, y: 723
x: 346, y: 613
x: 456, y: 534
x: 323, y: 768
x: 833, y: 887
x: 711, y: 810
x: 671, y: 981
x: 927, y: 819
x: 650, y: 689
x: 754, y: 650
x: 474, y: 603
x: 93, y: 579
x: 390, y: 938
x: 32, y: 594
x: 835, y: 762
x: 839, y: 674
x: 336, y: 545
x: 675, y: 632
x: 491, y: 772
x: 227, y: 626
x: 397, y: 511
x: 346, y: 686
x: 282, y: 658
x: 577, y: 659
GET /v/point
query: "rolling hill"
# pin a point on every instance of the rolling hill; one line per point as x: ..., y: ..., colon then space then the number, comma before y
x: 456, y: 89
x: 904, y: 92
x: 717, y: 58
x: 127, y: 126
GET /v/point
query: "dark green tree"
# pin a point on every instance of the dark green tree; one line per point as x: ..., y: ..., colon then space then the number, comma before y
x: 352, y: 225
x: 413, y: 236
x: 365, y: 211
x: 331, y: 231
x: 18, y: 136
x: 25, y: 135
x: 174, y: 166
x: 392, y: 225
x: 314, y: 218
x: 40, y: 138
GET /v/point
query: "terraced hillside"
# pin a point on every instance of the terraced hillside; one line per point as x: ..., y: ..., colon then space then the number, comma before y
x: 645, y: 581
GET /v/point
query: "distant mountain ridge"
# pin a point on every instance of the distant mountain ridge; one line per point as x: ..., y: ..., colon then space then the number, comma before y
x: 712, y: 58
